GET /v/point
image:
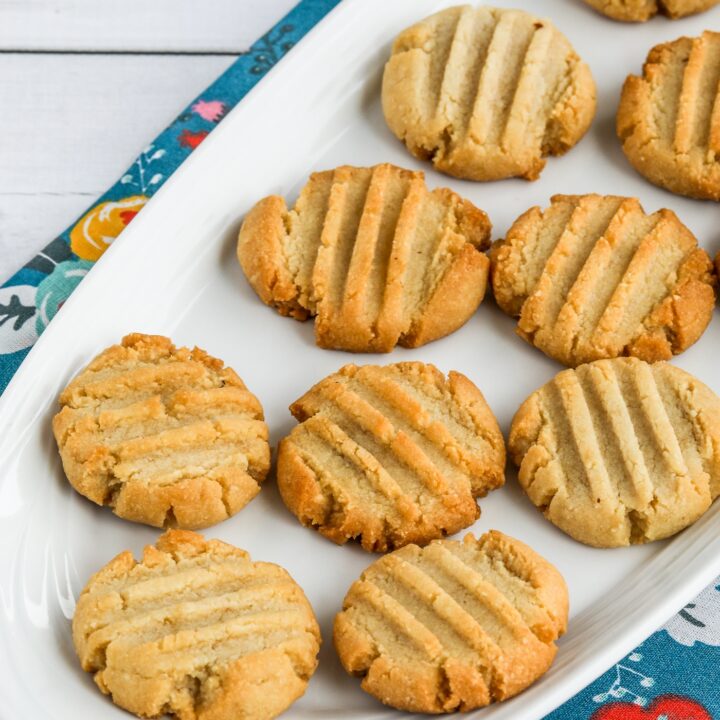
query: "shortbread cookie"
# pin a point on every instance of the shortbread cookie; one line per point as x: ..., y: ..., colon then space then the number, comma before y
x: 376, y: 256
x: 669, y: 119
x: 164, y: 436
x: 486, y: 93
x: 196, y: 630
x: 641, y: 10
x: 390, y: 455
x: 596, y: 277
x: 618, y: 451
x: 452, y: 626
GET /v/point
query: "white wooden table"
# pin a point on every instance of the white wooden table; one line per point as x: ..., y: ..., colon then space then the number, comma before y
x: 86, y: 84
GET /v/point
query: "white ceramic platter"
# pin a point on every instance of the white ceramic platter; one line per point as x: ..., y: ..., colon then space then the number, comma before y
x: 174, y: 272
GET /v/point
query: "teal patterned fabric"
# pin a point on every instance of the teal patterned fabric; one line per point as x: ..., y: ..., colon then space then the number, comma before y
x: 673, y: 675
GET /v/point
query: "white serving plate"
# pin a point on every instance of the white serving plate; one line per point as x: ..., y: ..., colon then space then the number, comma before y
x: 174, y: 272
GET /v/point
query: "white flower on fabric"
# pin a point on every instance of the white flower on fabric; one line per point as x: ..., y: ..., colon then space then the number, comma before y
x: 629, y: 684
x: 698, y: 621
x: 137, y: 174
x: 17, y: 321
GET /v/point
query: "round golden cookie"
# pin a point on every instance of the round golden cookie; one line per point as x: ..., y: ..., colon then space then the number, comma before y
x: 390, y: 455
x: 452, y: 626
x: 642, y: 10
x: 619, y: 451
x: 196, y: 630
x: 669, y: 119
x: 162, y: 435
x: 486, y: 93
x: 378, y: 258
x: 594, y: 276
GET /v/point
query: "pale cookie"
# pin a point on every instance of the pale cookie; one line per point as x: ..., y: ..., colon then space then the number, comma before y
x: 452, y: 626
x: 486, y: 93
x: 619, y: 451
x: 669, y: 119
x: 594, y: 277
x: 641, y: 10
x: 390, y: 455
x: 164, y: 436
x: 376, y: 256
x: 196, y: 630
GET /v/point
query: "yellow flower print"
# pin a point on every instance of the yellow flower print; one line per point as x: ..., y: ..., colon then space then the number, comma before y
x: 96, y: 230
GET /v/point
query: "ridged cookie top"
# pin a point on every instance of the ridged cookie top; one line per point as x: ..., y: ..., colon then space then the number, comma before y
x: 454, y: 625
x: 380, y: 259
x: 669, y: 119
x: 486, y: 93
x: 595, y: 277
x: 618, y: 451
x: 390, y: 455
x: 198, y: 630
x: 165, y: 436
x: 641, y: 10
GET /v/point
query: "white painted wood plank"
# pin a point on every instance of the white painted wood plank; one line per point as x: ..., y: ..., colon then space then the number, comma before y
x: 73, y: 123
x: 29, y: 222
x: 137, y: 25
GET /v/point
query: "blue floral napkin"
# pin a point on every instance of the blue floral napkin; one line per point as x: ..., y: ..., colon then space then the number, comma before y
x: 673, y: 675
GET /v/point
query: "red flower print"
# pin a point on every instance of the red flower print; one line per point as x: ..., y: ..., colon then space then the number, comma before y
x: 127, y: 215
x: 665, y: 707
x: 190, y: 139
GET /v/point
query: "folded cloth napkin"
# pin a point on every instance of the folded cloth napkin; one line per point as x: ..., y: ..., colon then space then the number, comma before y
x: 673, y: 675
